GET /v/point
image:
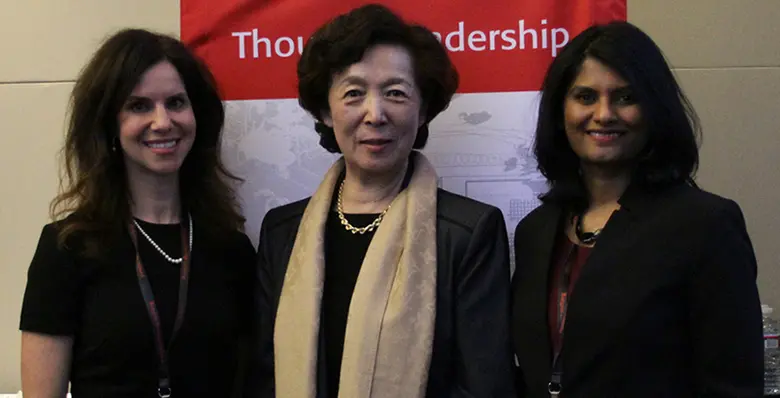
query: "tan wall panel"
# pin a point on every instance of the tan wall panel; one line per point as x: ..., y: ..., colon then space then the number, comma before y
x: 51, y: 40
x: 740, y: 154
x: 31, y: 118
x: 712, y: 33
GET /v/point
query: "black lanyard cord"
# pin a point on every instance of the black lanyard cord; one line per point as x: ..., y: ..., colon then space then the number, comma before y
x: 561, y: 308
x: 163, y: 382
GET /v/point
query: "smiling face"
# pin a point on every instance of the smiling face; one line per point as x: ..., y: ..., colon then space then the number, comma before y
x: 375, y: 110
x: 156, y: 123
x: 603, y: 121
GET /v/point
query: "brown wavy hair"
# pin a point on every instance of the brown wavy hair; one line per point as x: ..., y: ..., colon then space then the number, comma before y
x: 94, y: 200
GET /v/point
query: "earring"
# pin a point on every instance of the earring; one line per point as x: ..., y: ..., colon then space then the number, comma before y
x: 113, y: 144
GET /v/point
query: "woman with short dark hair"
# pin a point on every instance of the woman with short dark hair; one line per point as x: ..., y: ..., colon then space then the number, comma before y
x: 381, y: 284
x: 630, y: 280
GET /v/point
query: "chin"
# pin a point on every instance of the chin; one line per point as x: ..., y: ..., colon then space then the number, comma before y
x: 164, y: 170
x: 379, y: 166
x: 607, y: 162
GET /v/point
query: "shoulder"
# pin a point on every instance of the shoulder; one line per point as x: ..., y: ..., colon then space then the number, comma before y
x: 49, y: 239
x: 80, y: 237
x: 695, y: 204
x: 542, y: 214
x: 51, y: 258
x: 239, y: 243
x: 698, y: 197
x: 54, y: 287
x: 465, y: 212
x: 289, y: 214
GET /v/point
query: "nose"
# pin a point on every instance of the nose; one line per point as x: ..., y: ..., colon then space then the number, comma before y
x: 605, y: 112
x: 374, y: 110
x: 162, y: 121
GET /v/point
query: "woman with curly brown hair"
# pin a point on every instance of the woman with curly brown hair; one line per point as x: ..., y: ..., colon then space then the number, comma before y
x: 147, y: 248
x: 381, y: 284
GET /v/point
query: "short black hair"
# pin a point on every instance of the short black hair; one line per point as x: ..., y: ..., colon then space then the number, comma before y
x: 671, y: 155
x: 344, y: 40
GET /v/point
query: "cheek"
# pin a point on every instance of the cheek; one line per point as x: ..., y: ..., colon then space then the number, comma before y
x: 345, y: 122
x: 189, y: 123
x: 573, y: 115
x: 411, y: 124
x: 571, y: 123
x: 129, y: 127
x: 632, y: 116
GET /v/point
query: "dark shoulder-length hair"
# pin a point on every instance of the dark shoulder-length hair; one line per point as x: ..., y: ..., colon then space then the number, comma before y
x: 671, y: 155
x: 344, y: 40
x: 93, y: 185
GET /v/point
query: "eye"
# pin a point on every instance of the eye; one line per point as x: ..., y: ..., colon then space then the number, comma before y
x: 178, y: 102
x: 138, y: 106
x: 625, y: 99
x: 586, y: 97
x: 396, y: 93
x: 354, y: 93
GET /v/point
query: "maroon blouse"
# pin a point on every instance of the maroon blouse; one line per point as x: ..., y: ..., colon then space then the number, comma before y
x: 565, y: 250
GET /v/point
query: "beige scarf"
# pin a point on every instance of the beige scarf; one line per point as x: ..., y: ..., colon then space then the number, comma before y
x: 390, y: 324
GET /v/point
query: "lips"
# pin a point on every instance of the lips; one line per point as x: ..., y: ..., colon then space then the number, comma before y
x: 605, y: 136
x: 376, y: 141
x: 162, y: 144
x: 606, y: 133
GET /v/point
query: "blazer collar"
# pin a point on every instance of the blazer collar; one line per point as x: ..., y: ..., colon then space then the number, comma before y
x: 638, y: 200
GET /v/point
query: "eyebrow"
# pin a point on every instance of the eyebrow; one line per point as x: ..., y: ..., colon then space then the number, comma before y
x: 362, y: 82
x: 132, y: 97
x: 616, y: 89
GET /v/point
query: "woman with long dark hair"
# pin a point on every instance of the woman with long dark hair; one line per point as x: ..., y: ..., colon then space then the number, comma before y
x: 631, y: 281
x: 141, y: 287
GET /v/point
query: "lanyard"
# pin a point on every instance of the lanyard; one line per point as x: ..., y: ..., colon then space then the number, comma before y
x: 163, y: 381
x: 561, y: 307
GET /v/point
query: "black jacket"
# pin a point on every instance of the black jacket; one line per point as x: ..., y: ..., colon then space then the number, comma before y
x: 665, y: 306
x: 471, y: 347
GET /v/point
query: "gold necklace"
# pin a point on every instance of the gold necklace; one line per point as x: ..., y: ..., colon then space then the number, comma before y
x: 347, y: 225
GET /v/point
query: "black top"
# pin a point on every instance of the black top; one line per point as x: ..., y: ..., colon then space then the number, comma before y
x: 99, y: 303
x: 344, y: 253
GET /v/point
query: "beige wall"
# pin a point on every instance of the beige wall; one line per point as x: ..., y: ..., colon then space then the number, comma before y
x: 43, y: 45
x: 725, y: 52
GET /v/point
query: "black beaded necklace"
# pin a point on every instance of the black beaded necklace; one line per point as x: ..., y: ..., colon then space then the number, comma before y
x: 585, y: 237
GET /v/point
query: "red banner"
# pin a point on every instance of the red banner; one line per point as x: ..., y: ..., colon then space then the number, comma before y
x: 252, y: 46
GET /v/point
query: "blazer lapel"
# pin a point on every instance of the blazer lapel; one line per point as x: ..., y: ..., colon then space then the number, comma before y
x: 532, y: 336
x: 601, y: 302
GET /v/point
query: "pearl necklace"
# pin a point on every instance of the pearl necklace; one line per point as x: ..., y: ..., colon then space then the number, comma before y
x: 347, y: 225
x: 156, y: 246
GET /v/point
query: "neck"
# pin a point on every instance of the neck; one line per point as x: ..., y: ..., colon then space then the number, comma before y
x: 155, y: 198
x: 605, y: 186
x: 371, y: 193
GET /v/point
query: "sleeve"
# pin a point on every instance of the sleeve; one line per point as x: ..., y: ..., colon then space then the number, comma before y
x: 483, y: 354
x: 725, y: 316
x: 260, y: 378
x: 244, y: 251
x: 51, y: 297
x: 247, y: 257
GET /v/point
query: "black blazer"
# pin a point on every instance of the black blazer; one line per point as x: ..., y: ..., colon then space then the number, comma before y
x: 471, y: 346
x: 666, y: 305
